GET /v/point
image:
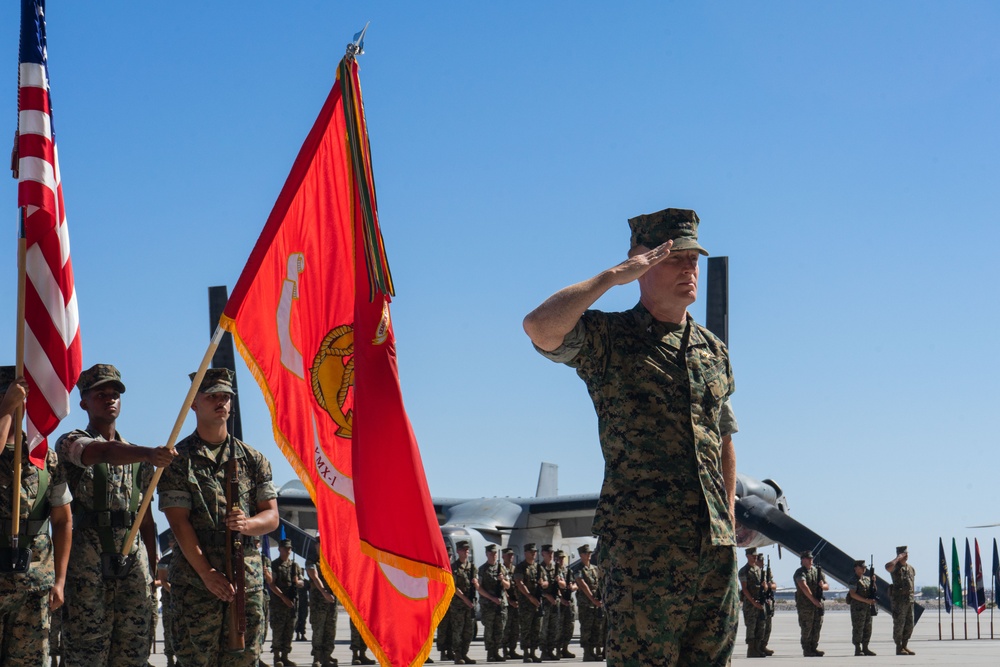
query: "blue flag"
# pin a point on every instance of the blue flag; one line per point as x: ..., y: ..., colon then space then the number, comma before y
x: 943, y: 573
x: 972, y: 600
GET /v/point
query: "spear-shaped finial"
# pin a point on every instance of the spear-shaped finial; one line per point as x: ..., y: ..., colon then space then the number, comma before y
x: 357, y: 46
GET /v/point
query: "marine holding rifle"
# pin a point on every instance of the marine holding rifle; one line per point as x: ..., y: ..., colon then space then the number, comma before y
x: 861, y: 598
x: 193, y: 496
x: 109, y: 613
x: 32, y: 579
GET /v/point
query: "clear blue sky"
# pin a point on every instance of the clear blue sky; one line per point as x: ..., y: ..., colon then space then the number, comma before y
x: 845, y: 156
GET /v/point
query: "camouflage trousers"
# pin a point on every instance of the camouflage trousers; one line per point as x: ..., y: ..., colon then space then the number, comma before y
x: 323, y: 616
x: 302, y: 610
x: 567, y: 619
x: 282, y: 625
x: 902, y: 621
x: 444, y: 632
x: 810, y: 624
x: 24, y: 629
x: 168, y: 631
x: 591, y: 626
x: 511, y: 628
x: 357, y: 641
x: 107, y: 623
x: 549, y: 637
x: 55, y: 631
x: 668, y: 605
x: 463, y: 627
x: 531, y: 624
x: 767, y: 628
x: 493, y: 618
x: 754, y: 620
x: 201, y: 628
x: 861, y: 623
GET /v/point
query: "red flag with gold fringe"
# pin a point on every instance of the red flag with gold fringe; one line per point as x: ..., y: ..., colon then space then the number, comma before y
x: 310, y: 315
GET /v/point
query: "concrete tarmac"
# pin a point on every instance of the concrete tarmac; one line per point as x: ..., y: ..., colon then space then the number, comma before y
x: 835, y: 640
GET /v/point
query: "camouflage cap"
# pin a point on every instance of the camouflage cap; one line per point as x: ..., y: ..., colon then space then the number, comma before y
x: 560, y: 553
x: 507, y: 550
x: 7, y: 377
x: 806, y: 554
x: 900, y: 551
x: 679, y: 225
x: 546, y: 547
x: 492, y: 548
x: 99, y: 374
x: 583, y: 549
x: 752, y: 551
x: 860, y: 563
x: 462, y: 544
x: 530, y: 546
x: 285, y: 543
x: 216, y: 380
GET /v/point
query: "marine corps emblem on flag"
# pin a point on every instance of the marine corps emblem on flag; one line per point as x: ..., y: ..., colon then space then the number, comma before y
x: 333, y: 377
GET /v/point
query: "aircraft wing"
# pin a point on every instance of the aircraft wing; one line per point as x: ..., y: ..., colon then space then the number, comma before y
x: 770, y: 521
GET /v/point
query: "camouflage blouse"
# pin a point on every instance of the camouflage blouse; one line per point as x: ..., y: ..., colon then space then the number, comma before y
x: 659, y: 390
x: 196, y: 481
x: 41, y: 573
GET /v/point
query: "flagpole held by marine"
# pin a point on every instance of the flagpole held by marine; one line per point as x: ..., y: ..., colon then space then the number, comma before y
x: 172, y: 440
x: 15, y: 513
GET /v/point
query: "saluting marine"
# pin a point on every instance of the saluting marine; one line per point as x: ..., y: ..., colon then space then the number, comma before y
x: 901, y: 592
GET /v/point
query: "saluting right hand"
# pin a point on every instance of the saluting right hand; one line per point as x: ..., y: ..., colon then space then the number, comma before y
x: 633, y: 267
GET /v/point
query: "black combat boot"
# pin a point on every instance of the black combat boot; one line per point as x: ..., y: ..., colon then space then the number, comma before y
x: 866, y: 651
x: 355, y: 660
x: 365, y: 660
x: 277, y: 660
x: 857, y: 649
x: 765, y: 650
x: 513, y: 654
x: 287, y: 661
x: 907, y: 650
x: 564, y: 653
x: 468, y: 660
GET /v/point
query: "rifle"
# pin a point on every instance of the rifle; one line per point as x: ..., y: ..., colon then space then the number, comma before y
x: 769, y: 595
x: 872, y: 593
x: 235, y: 568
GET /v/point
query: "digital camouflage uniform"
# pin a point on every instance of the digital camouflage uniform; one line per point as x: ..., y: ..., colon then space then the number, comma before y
x: 462, y: 618
x: 750, y: 578
x: 512, y: 625
x: 284, y: 574
x: 861, y: 613
x: 323, y: 616
x: 901, y: 592
x: 567, y: 611
x: 359, y: 648
x: 165, y: 600
x: 196, y: 481
x: 591, y: 617
x: 24, y: 597
x: 810, y: 616
x: 667, y: 541
x: 549, y: 634
x: 265, y: 562
x: 493, y: 616
x: 107, y: 622
x: 529, y: 615
x: 302, y: 612
x: 769, y: 612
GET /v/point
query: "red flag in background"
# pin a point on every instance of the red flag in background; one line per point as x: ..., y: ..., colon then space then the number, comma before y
x: 52, y: 352
x: 310, y: 315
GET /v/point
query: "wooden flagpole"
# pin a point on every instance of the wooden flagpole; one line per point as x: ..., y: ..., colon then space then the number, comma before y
x: 178, y: 425
x: 15, y: 486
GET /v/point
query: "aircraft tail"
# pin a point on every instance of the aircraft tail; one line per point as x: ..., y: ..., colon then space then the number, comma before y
x: 768, y: 520
x: 548, y: 481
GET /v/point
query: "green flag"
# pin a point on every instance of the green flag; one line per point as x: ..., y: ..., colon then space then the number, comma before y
x: 956, y: 577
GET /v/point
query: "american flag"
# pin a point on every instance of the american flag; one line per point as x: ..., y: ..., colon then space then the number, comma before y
x: 52, y: 354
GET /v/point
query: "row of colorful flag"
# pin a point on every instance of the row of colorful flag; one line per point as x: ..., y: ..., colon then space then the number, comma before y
x: 975, y: 590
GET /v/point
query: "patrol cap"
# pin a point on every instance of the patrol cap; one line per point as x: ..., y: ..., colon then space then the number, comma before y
x: 530, y: 546
x: 752, y: 551
x: 216, y: 380
x: 99, y: 374
x: 7, y: 377
x: 860, y: 563
x: 560, y: 553
x: 492, y: 548
x: 583, y: 549
x: 462, y: 544
x: 900, y: 550
x: 507, y: 550
x: 806, y: 554
x: 546, y: 547
x: 286, y: 543
x: 679, y: 225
